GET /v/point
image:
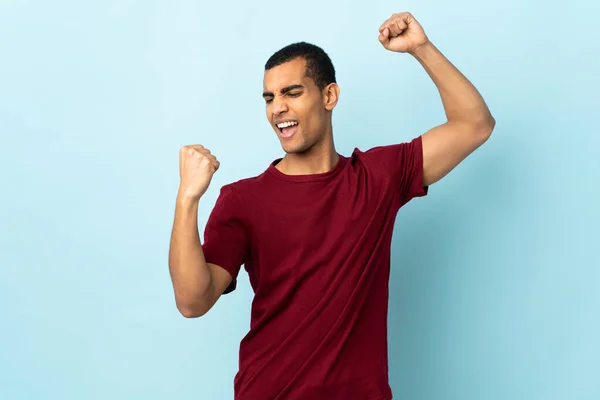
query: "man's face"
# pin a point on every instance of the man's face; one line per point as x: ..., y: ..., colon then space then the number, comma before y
x: 295, y: 106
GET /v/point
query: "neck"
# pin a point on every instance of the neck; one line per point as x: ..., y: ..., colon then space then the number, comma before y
x: 318, y: 159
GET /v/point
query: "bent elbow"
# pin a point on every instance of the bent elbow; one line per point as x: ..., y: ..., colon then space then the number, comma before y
x: 192, y: 310
x: 487, y: 127
x: 483, y: 129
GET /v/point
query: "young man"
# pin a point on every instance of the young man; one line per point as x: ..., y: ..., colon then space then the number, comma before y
x: 314, y: 230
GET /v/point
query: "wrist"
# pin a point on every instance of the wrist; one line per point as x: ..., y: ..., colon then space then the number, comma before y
x: 421, y: 51
x: 186, y: 200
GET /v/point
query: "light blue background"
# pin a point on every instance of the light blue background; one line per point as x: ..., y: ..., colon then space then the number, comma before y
x: 495, y: 275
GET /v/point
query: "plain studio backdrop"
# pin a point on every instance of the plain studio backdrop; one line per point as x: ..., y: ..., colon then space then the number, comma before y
x: 495, y: 275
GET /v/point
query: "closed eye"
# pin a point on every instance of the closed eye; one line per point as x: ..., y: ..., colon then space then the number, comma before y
x: 269, y: 99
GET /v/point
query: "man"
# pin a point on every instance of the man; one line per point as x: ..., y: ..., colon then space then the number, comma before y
x: 314, y: 230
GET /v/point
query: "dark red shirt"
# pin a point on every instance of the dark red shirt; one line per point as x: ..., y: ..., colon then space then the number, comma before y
x: 317, y: 252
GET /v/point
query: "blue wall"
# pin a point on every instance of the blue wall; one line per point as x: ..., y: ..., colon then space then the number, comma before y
x: 495, y: 275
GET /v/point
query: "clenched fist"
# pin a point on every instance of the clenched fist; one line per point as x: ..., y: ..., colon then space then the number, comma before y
x: 196, y: 169
x: 402, y: 33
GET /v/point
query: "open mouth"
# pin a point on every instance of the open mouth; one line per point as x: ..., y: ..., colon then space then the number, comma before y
x: 287, y: 128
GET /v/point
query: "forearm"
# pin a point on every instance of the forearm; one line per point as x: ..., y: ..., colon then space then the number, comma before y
x: 461, y: 100
x: 189, y: 272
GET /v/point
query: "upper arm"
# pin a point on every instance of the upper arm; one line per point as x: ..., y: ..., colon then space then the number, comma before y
x: 220, y: 280
x: 446, y: 145
x: 401, y: 167
x: 226, y: 240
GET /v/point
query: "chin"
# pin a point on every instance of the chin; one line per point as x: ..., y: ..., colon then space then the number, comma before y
x: 295, y: 149
x: 290, y: 150
x: 298, y: 145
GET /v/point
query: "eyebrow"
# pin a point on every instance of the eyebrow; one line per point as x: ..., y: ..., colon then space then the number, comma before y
x: 284, y: 90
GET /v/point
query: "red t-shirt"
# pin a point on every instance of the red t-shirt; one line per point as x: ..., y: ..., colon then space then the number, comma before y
x: 317, y: 252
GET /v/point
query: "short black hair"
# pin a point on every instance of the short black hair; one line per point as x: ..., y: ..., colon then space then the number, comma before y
x: 318, y: 64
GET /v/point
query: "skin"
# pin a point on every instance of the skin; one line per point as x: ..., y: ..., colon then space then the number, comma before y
x: 469, y: 121
x: 197, y: 284
x: 290, y: 95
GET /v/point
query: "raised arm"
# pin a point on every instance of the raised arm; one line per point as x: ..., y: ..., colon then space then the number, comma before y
x: 197, y: 284
x: 469, y: 121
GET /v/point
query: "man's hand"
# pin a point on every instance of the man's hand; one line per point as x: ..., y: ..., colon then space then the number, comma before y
x: 197, y: 283
x: 196, y: 169
x: 402, y: 33
x: 469, y: 121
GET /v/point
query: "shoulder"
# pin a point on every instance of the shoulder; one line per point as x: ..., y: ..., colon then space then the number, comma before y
x: 389, y: 155
x: 242, y: 192
x: 245, y: 186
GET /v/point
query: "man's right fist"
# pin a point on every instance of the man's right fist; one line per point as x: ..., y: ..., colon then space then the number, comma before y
x: 196, y: 169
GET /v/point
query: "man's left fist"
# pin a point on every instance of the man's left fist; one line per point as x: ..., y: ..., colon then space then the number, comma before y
x: 402, y: 33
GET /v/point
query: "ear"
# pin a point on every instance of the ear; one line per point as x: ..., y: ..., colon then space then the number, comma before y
x: 331, y: 94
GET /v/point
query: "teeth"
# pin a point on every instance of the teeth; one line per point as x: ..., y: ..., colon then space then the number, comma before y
x: 286, y: 124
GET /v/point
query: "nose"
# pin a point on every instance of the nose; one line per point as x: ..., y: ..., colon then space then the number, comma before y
x: 278, y: 106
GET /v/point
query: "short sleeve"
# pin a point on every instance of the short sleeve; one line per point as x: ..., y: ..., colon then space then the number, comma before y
x: 404, y: 163
x: 226, y: 238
